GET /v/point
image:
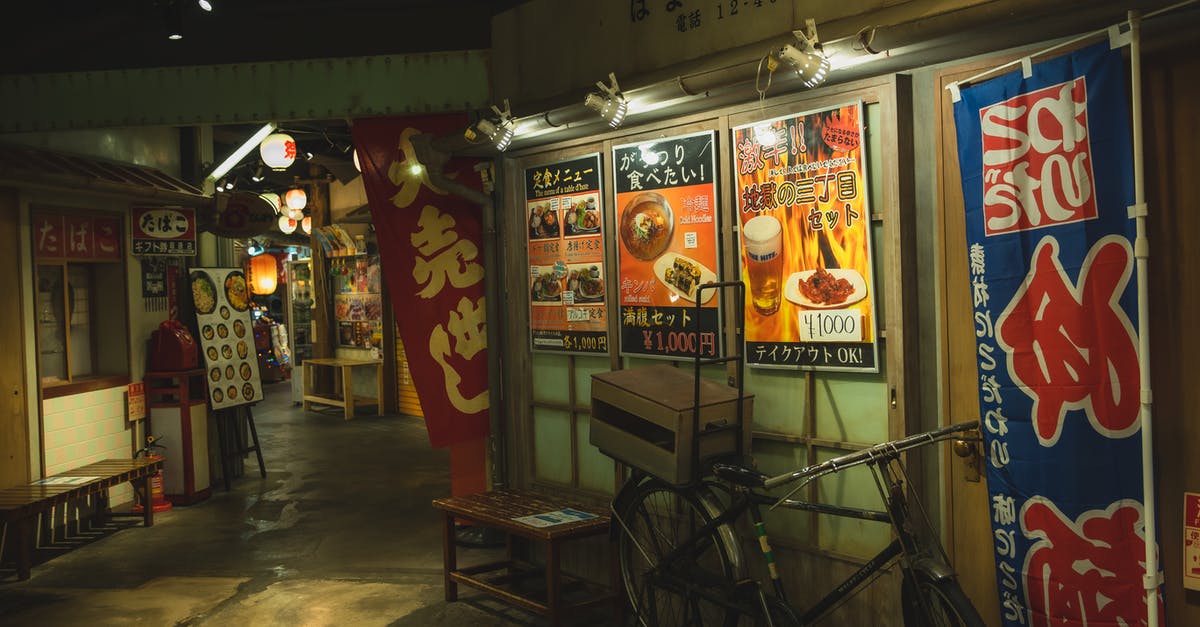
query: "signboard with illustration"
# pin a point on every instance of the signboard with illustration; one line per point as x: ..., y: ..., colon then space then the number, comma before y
x: 666, y: 222
x: 221, y: 300
x: 806, y: 241
x: 567, y: 275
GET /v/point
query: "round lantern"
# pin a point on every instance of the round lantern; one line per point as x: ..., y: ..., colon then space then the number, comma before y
x: 357, y: 163
x: 274, y: 199
x: 296, y: 199
x: 263, y: 274
x: 278, y: 151
x: 306, y: 224
x: 287, y: 224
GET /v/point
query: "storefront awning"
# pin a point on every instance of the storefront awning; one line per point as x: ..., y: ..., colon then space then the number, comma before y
x: 23, y: 166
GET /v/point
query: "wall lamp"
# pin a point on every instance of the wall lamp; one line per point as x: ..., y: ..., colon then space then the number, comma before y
x: 610, y: 103
x: 499, y: 131
x: 806, y: 56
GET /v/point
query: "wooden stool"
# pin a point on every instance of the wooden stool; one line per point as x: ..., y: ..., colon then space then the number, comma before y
x: 498, y: 510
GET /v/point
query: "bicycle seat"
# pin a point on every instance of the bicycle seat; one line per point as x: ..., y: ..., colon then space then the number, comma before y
x: 740, y: 475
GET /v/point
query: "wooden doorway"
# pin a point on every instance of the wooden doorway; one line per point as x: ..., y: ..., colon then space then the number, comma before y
x: 14, y: 422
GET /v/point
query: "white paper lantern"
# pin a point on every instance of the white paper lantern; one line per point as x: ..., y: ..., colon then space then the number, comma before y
x: 306, y: 224
x: 357, y: 163
x: 274, y: 199
x: 278, y: 151
x: 287, y: 225
x: 296, y: 199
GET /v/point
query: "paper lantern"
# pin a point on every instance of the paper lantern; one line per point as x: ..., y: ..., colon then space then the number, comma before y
x: 357, y: 163
x: 306, y: 224
x: 278, y: 151
x: 274, y: 199
x: 263, y: 274
x: 295, y: 214
x: 296, y: 199
x: 287, y: 224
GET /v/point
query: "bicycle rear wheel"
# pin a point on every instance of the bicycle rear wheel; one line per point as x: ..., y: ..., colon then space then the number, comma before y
x: 932, y: 602
x: 659, y: 518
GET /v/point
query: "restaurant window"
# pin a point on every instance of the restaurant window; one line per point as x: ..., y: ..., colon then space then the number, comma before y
x: 82, y: 335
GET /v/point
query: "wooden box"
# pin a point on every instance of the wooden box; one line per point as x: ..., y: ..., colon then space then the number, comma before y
x: 643, y: 417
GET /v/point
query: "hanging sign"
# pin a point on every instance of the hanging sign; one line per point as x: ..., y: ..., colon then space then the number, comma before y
x: 666, y: 222
x: 805, y: 241
x: 431, y: 244
x: 240, y: 215
x: 567, y: 275
x: 76, y: 237
x: 163, y: 231
x: 1046, y: 183
x: 221, y: 301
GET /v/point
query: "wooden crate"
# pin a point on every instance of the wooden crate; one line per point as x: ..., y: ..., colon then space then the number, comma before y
x: 643, y: 417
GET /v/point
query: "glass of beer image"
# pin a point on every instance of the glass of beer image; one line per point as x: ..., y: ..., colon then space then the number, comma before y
x: 762, y: 239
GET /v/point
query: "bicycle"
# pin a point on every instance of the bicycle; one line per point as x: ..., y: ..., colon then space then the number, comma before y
x: 682, y: 561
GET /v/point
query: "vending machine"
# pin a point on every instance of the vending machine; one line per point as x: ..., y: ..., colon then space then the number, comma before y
x: 300, y: 307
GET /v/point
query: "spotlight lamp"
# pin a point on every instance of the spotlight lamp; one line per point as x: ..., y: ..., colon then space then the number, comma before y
x: 610, y: 103
x: 499, y: 131
x: 205, y: 4
x: 806, y: 56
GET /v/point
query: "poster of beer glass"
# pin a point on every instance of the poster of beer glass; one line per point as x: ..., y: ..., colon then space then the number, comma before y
x: 666, y: 222
x: 567, y: 277
x: 805, y: 241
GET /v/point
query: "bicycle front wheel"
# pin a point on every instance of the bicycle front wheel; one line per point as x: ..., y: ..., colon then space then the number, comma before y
x: 932, y: 602
x: 658, y: 519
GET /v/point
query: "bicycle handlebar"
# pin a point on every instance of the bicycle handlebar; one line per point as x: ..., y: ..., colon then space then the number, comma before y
x: 883, y: 449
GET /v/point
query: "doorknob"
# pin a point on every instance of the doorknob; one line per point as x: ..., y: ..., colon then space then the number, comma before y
x: 969, y: 450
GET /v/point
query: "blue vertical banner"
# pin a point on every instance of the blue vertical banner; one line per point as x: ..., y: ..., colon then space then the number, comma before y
x: 1047, y: 179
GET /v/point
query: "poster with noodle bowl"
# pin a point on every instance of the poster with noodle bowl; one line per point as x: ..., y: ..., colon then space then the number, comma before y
x: 567, y: 275
x: 666, y: 222
x: 805, y: 241
x: 221, y: 301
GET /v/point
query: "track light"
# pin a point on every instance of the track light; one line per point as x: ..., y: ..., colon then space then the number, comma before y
x: 806, y: 56
x: 254, y: 249
x: 174, y: 21
x: 499, y: 131
x: 610, y: 103
x: 258, y: 176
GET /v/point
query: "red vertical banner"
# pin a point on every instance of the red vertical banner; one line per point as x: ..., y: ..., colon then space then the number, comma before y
x: 431, y: 246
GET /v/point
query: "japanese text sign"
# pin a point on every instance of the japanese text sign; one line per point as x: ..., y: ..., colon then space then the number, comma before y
x: 163, y: 231
x: 1191, y: 540
x: 567, y: 275
x: 666, y: 222
x: 1046, y: 184
x: 805, y: 240
x: 136, y: 393
x: 430, y: 244
x: 76, y: 237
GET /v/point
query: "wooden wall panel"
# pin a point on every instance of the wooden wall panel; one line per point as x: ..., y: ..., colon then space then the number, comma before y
x: 14, y: 423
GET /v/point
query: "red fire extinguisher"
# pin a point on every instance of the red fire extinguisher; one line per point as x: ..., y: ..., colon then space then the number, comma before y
x: 157, y: 498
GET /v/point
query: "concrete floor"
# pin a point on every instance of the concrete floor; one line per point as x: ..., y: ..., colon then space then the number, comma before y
x: 340, y: 532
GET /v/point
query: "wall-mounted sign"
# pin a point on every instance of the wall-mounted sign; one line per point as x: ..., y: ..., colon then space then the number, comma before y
x: 806, y: 241
x: 665, y: 217
x: 76, y: 237
x: 163, y: 231
x: 136, y: 393
x: 240, y: 215
x: 567, y: 274
x: 1191, y: 540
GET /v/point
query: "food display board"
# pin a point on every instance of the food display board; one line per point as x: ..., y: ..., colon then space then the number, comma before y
x: 357, y: 301
x: 805, y: 240
x: 222, y: 303
x: 567, y: 275
x: 666, y: 222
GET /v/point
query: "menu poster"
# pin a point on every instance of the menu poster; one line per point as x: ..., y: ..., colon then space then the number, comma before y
x: 666, y: 220
x: 567, y: 276
x: 359, y: 317
x: 805, y: 239
x: 222, y: 303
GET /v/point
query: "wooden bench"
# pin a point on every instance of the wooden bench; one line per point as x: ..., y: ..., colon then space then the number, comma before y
x: 343, y: 376
x: 22, y: 505
x: 498, y: 510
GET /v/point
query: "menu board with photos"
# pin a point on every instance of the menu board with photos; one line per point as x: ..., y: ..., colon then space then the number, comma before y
x: 567, y: 275
x: 222, y: 304
x: 666, y: 222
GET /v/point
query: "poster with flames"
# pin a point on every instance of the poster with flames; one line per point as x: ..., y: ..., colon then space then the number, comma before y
x: 666, y: 222
x: 567, y: 277
x: 805, y: 242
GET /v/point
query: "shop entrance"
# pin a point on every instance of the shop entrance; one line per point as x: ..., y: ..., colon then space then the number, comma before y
x: 14, y: 427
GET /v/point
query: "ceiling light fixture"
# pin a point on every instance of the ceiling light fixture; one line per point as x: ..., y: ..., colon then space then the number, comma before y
x: 610, y: 103
x: 257, y: 177
x: 174, y: 21
x: 205, y: 4
x: 806, y: 56
x: 499, y: 131
x: 240, y: 153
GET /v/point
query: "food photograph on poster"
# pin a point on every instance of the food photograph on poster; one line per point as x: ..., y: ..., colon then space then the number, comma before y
x: 221, y: 300
x: 805, y: 241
